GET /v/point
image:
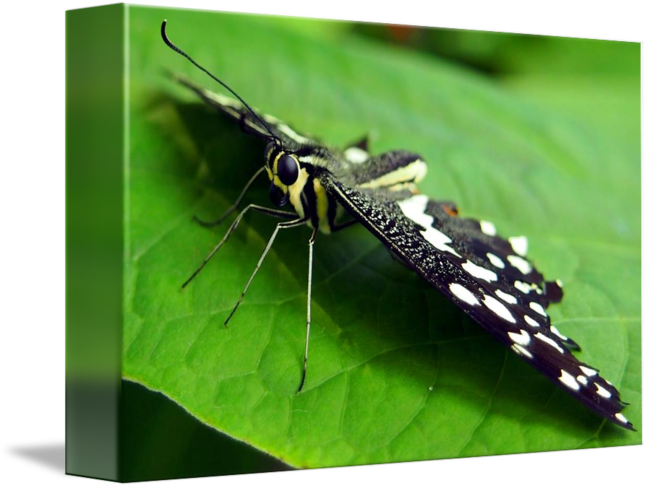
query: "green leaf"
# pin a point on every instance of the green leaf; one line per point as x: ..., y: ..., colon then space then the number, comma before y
x: 396, y: 372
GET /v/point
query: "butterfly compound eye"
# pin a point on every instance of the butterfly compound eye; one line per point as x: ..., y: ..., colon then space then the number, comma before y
x: 288, y: 169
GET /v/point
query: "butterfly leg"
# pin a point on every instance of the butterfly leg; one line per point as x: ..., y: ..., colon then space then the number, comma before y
x: 282, y: 225
x: 268, y: 211
x: 234, y: 205
x: 309, y: 279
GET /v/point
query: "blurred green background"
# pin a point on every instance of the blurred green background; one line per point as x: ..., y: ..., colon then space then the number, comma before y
x: 593, y: 85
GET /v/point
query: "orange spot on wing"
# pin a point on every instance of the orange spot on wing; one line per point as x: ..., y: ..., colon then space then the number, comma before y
x: 449, y: 210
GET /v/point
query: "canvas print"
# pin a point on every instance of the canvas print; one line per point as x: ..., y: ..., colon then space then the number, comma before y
x: 349, y: 243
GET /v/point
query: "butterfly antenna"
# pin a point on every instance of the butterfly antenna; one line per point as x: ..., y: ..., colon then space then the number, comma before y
x: 169, y: 43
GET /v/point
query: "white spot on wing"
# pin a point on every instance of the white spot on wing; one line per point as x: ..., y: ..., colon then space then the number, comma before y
x: 582, y: 380
x: 520, y: 263
x: 522, y: 351
x: 479, y: 272
x: 569, y: 380
x: 498, y: 308
x: 549, y: 341
x: 538, y: 308
x: 356, y: 155
x: 439, y: 240
x: 496, y: 262
x: 621, y: 418
x: 602, y: 391
x: 588, y: 371
x: 414, y: 208
x: 531, y: 322
x: 506, y: 297
x: 523, y: 338
x: 519, y: 245
x: 557, y: 333
x: 463, y: 294
x: 488, y: 228
x: 523, y: 287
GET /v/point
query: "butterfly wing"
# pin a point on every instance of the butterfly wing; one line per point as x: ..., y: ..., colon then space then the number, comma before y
x: 291, y: 139
x: 505, y: 294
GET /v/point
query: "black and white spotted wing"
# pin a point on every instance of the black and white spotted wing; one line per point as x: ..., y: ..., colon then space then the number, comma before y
x: 291, y: 139
x: 487, y: 277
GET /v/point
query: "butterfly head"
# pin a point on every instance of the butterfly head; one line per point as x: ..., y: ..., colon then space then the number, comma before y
x: 283, y: 170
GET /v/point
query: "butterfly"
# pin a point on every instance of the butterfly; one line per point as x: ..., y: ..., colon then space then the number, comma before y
x: 487, y: 276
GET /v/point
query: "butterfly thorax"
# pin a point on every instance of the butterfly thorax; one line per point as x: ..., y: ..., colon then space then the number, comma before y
x: 295, y: 179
